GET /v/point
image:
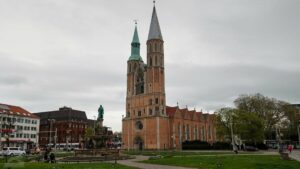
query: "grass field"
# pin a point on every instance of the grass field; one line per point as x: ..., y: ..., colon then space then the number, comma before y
x: 63, y: 166
x: 228, y: 162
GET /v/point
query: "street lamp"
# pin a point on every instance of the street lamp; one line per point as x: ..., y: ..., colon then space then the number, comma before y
x: 234, y: 148
x: 94, y: 125
x: 51, y: 123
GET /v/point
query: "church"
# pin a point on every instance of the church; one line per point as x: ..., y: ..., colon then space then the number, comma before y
x: 149, y: 123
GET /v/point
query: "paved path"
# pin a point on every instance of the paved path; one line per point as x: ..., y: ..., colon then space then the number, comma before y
x: 135, y: 163
x: 295, y: 155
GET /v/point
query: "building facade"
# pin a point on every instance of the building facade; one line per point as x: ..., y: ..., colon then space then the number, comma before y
x: 18, y: 127
x: 148, y: 123
x: 62, y: 127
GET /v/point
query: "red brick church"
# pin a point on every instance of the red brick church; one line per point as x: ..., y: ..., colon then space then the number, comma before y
x: 149, y: 123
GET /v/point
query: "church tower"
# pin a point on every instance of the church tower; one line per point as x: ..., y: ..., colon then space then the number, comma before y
x: 155, y: 67
x: 146, y: 125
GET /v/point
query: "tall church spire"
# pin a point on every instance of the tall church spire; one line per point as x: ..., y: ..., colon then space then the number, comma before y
x: 135, y: 46
x: 154, y: 32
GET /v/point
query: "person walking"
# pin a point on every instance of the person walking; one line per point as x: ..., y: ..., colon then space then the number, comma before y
x: 290, y: 148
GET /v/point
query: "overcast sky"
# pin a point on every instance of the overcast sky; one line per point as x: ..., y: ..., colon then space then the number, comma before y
x: 74, y: 53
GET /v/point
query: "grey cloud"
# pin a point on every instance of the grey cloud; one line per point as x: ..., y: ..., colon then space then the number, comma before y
x: 74, y: 53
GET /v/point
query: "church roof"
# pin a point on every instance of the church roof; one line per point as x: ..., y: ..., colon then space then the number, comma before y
x: 154, y: 32
x: 135, y: 47
x: 135, y: 38
x: 170, y: 110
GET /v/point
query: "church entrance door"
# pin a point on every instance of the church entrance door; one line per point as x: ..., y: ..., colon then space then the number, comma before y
x: 139, y: 143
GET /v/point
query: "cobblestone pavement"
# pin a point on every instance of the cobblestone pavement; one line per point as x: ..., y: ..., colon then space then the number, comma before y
x: 135, y: 163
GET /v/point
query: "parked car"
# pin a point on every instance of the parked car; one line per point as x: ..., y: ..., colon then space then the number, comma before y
x: 68, y: 148
x: 251, y: 148
x: 11, y: 151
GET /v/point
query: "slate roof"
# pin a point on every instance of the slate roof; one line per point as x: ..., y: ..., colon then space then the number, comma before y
x: 154, y: 31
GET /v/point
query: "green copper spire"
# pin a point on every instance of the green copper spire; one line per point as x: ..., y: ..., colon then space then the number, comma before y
x: 135, y: 47
x: 135, y: 36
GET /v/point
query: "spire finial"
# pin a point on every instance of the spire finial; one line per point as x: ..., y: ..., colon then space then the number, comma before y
x: 135, y: 21
x: 154, y: 3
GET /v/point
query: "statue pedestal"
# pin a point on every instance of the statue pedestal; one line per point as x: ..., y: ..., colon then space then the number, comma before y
x: 100, y: 123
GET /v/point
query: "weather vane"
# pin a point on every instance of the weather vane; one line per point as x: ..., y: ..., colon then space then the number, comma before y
x: 135, y: 21
x: 154, y: 2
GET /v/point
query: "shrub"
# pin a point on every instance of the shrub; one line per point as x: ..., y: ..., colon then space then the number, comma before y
x: 196, y: 145
x: 221, y: 146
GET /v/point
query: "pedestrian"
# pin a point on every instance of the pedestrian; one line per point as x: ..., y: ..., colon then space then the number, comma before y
x: 290, y: 148
x: 52, y: 158
x: 46, y: 156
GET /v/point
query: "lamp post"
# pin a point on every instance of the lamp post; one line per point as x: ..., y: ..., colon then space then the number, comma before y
x: 232, y: 137
x: 95, y: 119
x: 51, y: 123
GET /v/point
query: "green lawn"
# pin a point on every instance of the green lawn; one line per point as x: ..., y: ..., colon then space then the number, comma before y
x: 228, y: 162
x: 63, y: 166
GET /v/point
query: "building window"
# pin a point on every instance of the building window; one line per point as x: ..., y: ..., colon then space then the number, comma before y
x: 139, y: 113
x: 156, y: 109
x: 150, y: 111
x: 203, y: 134
x: 150, y: 101
x: 128, y: 114
x: 129, y: 67
x: 209, y: 132
x: 139, y: 125
x: 156, y: 101
x: 188, y: 132
x: 179, y: 132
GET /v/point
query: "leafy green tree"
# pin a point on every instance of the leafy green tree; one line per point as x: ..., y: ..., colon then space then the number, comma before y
x: 247, y: 126
x: 274, y: 113
x: 222, y: 121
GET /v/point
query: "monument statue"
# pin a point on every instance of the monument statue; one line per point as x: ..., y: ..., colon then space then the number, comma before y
x: 100, y: 113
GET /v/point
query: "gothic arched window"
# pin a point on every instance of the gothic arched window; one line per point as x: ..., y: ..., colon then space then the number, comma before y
x: 150, y: 47
x: 150, y: 61
x: 129, y: 67
x: 139, y: 82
